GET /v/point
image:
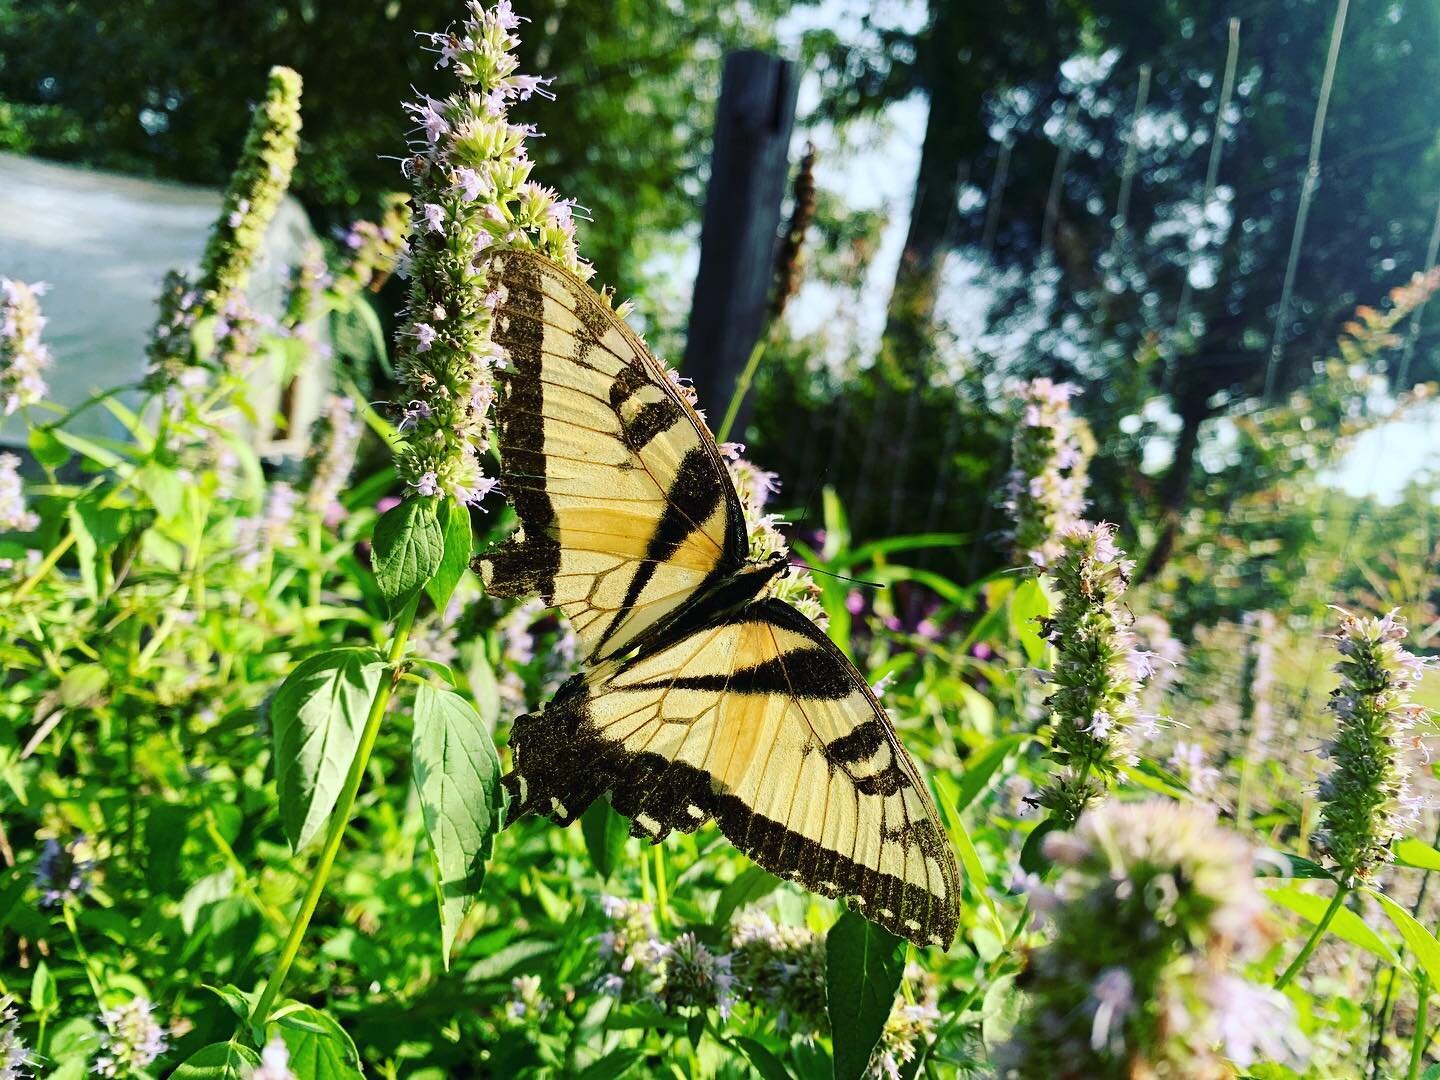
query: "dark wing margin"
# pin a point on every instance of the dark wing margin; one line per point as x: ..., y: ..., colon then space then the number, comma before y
x: 782, y: 744
x: 626, y: 507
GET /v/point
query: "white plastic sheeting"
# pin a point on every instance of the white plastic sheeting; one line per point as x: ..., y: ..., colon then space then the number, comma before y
x: 103, y: 242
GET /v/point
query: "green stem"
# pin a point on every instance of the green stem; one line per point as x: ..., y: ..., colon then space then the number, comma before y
x: 742, y: 387
x: 69, y: 916
x: 1298, y: 963
x: 1421, y: 1036
x: 339, y: 819
x: 662, y: 890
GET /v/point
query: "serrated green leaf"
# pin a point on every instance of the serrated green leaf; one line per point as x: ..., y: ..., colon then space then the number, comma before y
x: 455, y: 557
x: 409, y: 545
x: 1417, y: 853
x: 764, y: 1061
x: 750, y: 885
x: 457, y: 774
x: 1419, y: 940
x: 863, y: 967
x: 218, y: 1061
x: 613, y: 1065
x: 605, y: 833
x: 980, y: 768
x: 317, y: 715
x: 1345, y: 924
x: 48, y: 450
x: 319, y: 1048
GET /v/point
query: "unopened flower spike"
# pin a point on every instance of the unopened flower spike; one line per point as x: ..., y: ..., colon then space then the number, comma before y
x: 256, y: 188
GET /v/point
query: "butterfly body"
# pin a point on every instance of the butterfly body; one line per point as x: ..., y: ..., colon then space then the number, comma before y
x: 701, y: 698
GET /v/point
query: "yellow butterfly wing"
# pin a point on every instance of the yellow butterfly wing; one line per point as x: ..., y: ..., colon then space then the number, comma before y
x: 626, y: 509
x: 759, y: 722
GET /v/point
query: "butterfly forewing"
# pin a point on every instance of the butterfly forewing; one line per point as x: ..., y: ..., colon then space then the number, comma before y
x: 625, y: 506
x: 759, y: 722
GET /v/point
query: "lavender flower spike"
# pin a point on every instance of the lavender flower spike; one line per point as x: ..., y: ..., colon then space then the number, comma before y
x: 472, y: 194
x: 1098, y: 674
x: 15, y: 1057
x: 23, y: 356
x: 1046, y: 489
x: 1154, y: 909
x: 14, y: 516
x: 1367, y: 802
x: 132, y: 1039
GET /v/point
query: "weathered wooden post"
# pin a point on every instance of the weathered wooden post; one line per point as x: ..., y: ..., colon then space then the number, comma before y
x: 748, y: 170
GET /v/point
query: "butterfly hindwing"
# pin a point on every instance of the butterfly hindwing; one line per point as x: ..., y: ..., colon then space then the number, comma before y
x: 759, y: 722
x: 626, y: 509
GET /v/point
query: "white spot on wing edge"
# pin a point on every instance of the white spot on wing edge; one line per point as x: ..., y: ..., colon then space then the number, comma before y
x: 648, y: 823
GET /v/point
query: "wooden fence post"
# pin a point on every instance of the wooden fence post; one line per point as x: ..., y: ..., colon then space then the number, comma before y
x: 749, y: 167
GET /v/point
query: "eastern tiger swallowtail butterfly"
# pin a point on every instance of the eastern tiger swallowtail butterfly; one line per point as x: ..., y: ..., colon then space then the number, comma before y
x: 700, y: 697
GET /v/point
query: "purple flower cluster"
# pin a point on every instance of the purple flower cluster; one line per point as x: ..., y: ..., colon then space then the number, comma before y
x: 472, y: 195
x: 1046, y: 489
x: 131, y: 1040
x: 15, y: 516
x: 23, y: 356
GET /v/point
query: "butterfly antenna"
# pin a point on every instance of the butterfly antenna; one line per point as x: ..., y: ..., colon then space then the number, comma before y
x: 844, y: 577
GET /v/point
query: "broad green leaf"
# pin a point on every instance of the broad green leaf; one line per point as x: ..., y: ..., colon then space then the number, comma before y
x: 762, y: 1060
x: 208, y: 890
x: 1283, y: 864
x: 863, y: 967
x: 1032, y: 852
x: 1345, y: 924
x: 455, y: 557
x: 1028, y: 604
x: 750, y: 885
x: 1419, y: 940
x: 980, y: 768
x: 218, y: 1061
x: 317, y: 716
x: 162, y: 486
x: 48, y: 450
x: 613, y: 1065
x: 1417, y: 853
x: 408, y: 547
x: 457, y: 774
x: 43, y: 996
x: 605, y: 833
x: 319, y: 1048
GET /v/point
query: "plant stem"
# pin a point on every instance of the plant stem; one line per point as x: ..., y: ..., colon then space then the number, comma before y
x: 339, y: 819
x: 1420, y: 1038
x: 742, y: 387
x: 662, y: 890
x: 1314, y: 939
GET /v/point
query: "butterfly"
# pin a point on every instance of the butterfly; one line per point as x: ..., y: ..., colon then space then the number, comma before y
x: 700, y: 697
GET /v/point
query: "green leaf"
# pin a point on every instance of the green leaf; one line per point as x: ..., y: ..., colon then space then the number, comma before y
x: 765, y: 1063
x: 408, y: 547
x: 750, y: 885
x: 457, y: 774
x: 863, y: 967
x: 1417, y: 853
x: 162, y: 486
x: 455, y: 559
x: 48, y: 450
x: 974, y: 870
x: 1345, y: 924
x: 613, y: 1065
x: 1295, y: 867
x: 605, y: 833
x: 1028, y: 604
x: 1420, y: 941
x: 218, y: 1061
x: 44, y: 999
x: 1032, y: 852
x: 317, y: 715
x: 980, y: 768
x: 319, y: 1048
